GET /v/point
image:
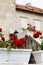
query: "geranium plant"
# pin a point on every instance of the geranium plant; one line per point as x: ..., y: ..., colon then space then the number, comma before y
x: 17, y: 43
x: 37, y: 34
x: 41, y: 37
x: 13, y: 41
x: 30, y: 28
x: 42, y: 45
x: 2, y: 39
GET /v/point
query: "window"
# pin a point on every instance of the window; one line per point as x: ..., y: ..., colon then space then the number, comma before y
x: 23, y: 22
x: 37, y: 23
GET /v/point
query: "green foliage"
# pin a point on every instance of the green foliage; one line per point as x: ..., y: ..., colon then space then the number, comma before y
x: 42, y: 45
x: 10, y: 45
x: 30, y: 29
x: 7, y: 44
x: 1, y: 35
x: 23, y: 29
x: 2, y: 44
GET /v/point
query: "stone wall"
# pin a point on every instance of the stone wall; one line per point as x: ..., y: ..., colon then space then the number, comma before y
x: 7, y: 1
x: 7, y: 17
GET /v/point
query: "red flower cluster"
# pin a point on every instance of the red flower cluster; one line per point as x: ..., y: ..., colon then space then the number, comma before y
x: 13, y: 37
x: 2, y: 38
x: 36, y: 35
x: 31, y: 28
x: 28, y: 25
x: 17, y: 42
x: 0, y: 29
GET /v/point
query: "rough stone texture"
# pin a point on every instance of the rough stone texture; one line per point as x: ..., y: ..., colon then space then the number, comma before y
x: 7, y: 17
x: 7, y: 1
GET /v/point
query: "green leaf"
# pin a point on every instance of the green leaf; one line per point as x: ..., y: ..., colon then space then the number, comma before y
x: 42, y: 45
x: 1, y: 35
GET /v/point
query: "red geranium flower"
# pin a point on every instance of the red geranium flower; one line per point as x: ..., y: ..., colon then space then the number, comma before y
x: 2, y: 38
x: 39, y: 33
x: 34, y: 27
x: 28, y: 25
x: 36, y: 35
x: 12, y: 36
x: 19, y: 42
x: 0, y: 29
x: 26, y: 36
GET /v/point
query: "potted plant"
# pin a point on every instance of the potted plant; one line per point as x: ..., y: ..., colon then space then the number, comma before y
x: 13, y: 49
x: 38, y: 55
x: 30, y: 29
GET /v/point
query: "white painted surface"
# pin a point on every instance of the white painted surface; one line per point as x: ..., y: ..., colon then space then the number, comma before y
x: 38, y: 55
x: 23, y: 22
x: 37, y: 39
x: 15, y: 55
x: 37, y: 24
x: 6, y: 63
x: 30, y: 33
x: 22, y: 34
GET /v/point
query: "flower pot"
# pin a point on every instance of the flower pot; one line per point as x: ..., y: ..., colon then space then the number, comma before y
x: 15, y: 55
x: 38, y: 56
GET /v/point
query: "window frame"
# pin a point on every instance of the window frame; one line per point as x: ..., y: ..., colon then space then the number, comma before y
x: 24, y: 18
x: 38, y: 20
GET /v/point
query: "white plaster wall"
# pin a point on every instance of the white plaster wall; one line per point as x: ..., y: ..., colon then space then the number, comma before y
x: 30, y: 17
